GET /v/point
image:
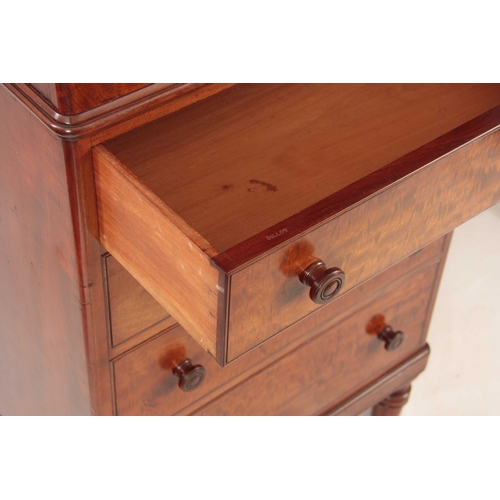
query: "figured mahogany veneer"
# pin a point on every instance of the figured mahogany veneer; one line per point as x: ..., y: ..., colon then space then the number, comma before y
x: 54, y: 351
x: 335, y: 364
x: 360, y: 176
x: 105, y: 118
x: 400, y: 220
x: 214, y: 198
x: 75, y: 98
x: 145, y: 383
x: 44, y: 294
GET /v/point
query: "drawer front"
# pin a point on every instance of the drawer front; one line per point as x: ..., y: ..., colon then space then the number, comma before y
x: 266, y: 297
x: 132, y: 309
x: 336, y: 364
x: 145, y: 384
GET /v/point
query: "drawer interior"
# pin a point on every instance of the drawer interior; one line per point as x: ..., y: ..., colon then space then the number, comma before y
x: 217, y: 210
x: 132, y: 310
x: 240, y: 162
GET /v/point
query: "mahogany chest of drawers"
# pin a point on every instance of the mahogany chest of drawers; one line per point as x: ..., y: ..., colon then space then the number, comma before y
x: 208, y: 249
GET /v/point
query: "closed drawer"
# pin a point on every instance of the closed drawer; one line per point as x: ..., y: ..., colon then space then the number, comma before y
x: 335, y: 365
x: 145, y: 383
x: 218, y: 209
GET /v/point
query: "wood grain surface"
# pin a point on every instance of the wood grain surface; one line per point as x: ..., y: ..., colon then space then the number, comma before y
x: 81, y: 191
x: 43, y: 363
x: 118, y: 115
x: 144, y: 382
x: 54, y: 355
x: 131, y: 308
x: 171, y: 261
x: 372, y: 394
x: 261, y: 153
x: 48, y: 91
x: 336, y: 364
x: 74, y: 98
x: 365, y: 240
x: 265, y: 297
x: 392, y: 405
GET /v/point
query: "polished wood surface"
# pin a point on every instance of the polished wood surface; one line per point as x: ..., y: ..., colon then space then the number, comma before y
x: 335, y: 364
x: 144, y: 380
x: 372, y: 394
x: 47, y: 90
x: 171, y: 262
x: 76, y: 339
x: 43, y: 359
x: 393, y: 405
x: 261, y: 153
x: 118, y: 115
x: 74, y: 98
x: 142, y: 360
x: 93, y: 306
x: 132, y: 309
x: 190, y: 376
x: 325, y: 283
x: 55, y: 353
x: 430, y: 253
x: 263, y: 296
x: 401, y: 219
x: 347, y: 198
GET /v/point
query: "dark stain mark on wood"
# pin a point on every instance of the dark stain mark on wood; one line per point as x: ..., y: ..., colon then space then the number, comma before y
x: 269, y: 187
x: 297, y: 258
x: 227, y: 186
x: 172, y: 357
x: 376, y: 325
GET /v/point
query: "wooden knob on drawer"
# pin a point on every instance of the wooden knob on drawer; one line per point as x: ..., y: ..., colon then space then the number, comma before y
x: 391, y: 338
x: 190, y: 376
x: 325, y: 283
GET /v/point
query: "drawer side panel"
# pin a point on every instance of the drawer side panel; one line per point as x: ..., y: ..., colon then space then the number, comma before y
x: 157, y: 253
x: 132, y: 309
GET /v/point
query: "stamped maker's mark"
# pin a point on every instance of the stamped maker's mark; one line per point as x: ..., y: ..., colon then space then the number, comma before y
x: 277, y: 233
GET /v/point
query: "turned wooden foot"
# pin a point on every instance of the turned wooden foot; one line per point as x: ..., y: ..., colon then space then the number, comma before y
x: 392, y: 406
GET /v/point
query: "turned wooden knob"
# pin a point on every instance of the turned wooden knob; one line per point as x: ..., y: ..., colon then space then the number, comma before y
x: 190, y: 376
x: 391, y: 338
x: 325, y: 283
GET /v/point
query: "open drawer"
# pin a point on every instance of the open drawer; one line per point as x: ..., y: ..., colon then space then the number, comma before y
x: 243, y: 213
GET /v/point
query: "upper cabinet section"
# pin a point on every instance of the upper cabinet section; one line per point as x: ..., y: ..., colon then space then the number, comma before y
x: 103, y: 110
x: 75, y: 98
